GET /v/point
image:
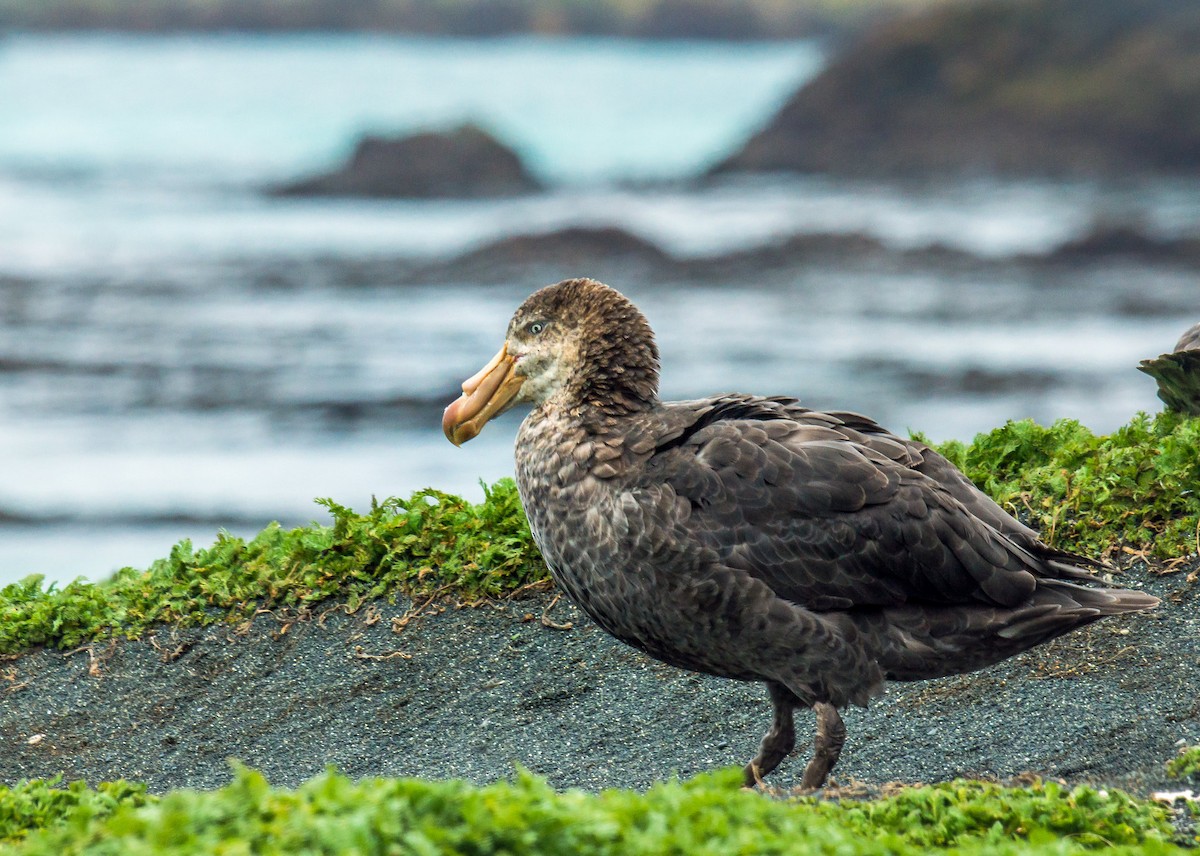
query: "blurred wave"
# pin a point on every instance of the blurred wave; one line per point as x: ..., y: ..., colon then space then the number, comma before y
x: 179, y: 353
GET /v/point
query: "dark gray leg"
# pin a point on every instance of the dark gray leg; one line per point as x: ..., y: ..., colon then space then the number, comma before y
x: 831, y: 735
x: 780, y: 740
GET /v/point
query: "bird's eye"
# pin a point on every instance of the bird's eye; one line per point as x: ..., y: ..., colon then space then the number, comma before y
x: 536, y: 327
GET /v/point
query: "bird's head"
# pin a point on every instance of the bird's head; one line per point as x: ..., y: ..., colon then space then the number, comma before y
x: 577, y: 344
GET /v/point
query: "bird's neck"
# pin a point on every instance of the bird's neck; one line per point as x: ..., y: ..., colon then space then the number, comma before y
x: 601, y: 402
x: 609, y: 391
x: 621, y: 380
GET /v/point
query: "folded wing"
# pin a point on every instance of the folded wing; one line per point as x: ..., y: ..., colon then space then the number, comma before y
x: 833, y: 512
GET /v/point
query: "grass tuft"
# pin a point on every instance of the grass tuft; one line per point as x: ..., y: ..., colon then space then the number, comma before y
x: 710, y: 814
x: 1094, y: 494
x: 1186, y: 765
x: 429, y: 543
x: 47, y: 804
x: 961, y: 812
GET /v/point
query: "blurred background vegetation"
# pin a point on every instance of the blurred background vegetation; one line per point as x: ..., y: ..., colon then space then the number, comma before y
x: 244, y: 261
x: 703, y: 19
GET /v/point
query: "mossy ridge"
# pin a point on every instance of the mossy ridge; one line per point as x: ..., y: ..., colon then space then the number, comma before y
x: 1186, y: 765
x: 429, y: 543
x: 709, y: 814
x: 46, y: 803
x: 1137, y: 488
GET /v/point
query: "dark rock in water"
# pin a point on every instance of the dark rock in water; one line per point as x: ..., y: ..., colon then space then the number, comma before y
x: 803, y: 248
x: 1106, y: 241
x: 573, y: 244
x: 619, y: 254
x: 576, y: 248
x: 1037, y: 87
x: 1178, y: 374
x: 596, y: 249
x: 466, y: 162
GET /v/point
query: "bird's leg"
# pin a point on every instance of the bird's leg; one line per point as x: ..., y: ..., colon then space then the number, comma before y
x: 780, y: 740
x: 831, y: 735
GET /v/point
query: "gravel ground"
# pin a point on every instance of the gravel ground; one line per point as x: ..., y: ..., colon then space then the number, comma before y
x: 471, y: 692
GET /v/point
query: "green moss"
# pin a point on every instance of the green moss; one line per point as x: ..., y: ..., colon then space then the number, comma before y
x: 1186, y: 765
x: 710, y: 814
x: 958, y: 812
x: 1138, y: 488
x: 432, y: 542
x: 45, y: 804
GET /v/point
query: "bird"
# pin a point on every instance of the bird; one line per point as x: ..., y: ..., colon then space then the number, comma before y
x: 755, y: 539
x: 1178, y: 373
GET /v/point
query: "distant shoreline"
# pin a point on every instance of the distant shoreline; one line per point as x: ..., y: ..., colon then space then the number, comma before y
x: 745, y: 20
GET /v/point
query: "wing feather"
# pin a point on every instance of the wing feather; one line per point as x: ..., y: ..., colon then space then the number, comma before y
x: 834, y: 513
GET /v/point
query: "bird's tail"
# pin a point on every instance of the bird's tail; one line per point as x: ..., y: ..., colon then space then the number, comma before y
x: 920, y: 642
x: 1058, y: 606
x: 1178, y: 377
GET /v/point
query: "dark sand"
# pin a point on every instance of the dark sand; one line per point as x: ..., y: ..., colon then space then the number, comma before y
x: 482, y: 689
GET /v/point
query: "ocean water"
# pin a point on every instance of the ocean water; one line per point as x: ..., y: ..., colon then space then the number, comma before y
x: 171, y: 363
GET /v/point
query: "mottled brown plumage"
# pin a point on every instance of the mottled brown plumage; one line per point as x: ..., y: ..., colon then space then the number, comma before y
x: 756, y: 539
x: 1178, y: 373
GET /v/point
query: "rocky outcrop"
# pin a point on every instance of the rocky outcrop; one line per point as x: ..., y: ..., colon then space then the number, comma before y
x: 560, y: 254
x: 620, y: 255
x: 465, y: 162
x: 1038, y: 87
x: 1118, y: 240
